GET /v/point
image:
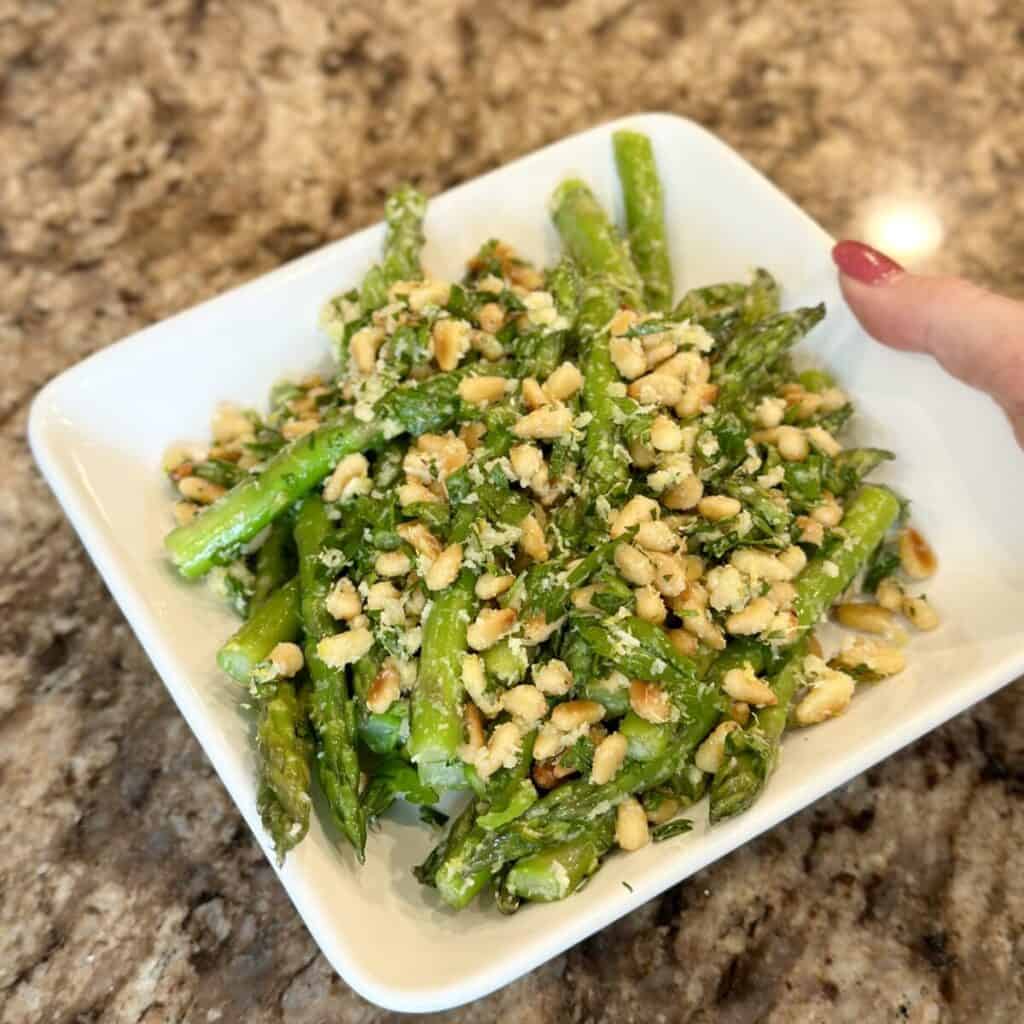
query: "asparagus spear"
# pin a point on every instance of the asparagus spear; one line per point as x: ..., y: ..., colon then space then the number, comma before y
x: 645, y: 216
x: 331, y: 708
x: 404, y: 212
x: 275, y: 621
x: 283, y: 751
x: 609, y: 279
x: 273, y: 561
x: 752, y: 753
x: 437, y: 699
x: 592, y: 241
x: 757, y: 348
x: 558, y: 871
x: 222, y: 528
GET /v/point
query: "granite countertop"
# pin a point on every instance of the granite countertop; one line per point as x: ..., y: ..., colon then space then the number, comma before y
x: 156, y: 153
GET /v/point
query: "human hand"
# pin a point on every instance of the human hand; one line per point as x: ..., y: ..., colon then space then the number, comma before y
x: 976, y: 335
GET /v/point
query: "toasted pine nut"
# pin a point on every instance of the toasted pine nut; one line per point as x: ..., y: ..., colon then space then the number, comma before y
x: 489, y: 586
x: 450, y: 341
x: 473, y: 724
x: 422, y: 541
x: 343, y: 601
x: 656, y: 389
x: 684, y: 495
x: 537, y: 629
x: 649, y: 606
x: 650, y: 701
x: 343, y: 649
x: 608, y: 758
x: 553, y: 678
x: 711, y: 753
x: 445, y: 453
x: 665, y: 810
x: 380, y: 595
x: 412, y: 492
x: 544, y: 424
x: 792, y: 443
x: 631, y: 831
x: 829, y: 513
x: 694, y: 567
x: 829, y: 696
x: 683, y: 642
x: 761, y: 565
x: 806, y: 404
x: 869, y: 618
x: 833, y: 399
x: 641, y: 455
x: 363, y: 348
x: 574, y: 713
x: 920, y: 613
x: 445, y: 568
x: 352, y: 467
x: 717, y: 507
x: 823, y: 441
x: 793, y: 558
x: 230, y: 424
x: 755, y: 618
x: 872, y: 658
x: 889, y: 594
x: 429, y: 293
x: 501, y: 751
x: 527, y: 461
x: 739, y: 712
x: 635, y: 566
x: 622, y: 322
x: 811, y: 531
x: 203, y: 492
x: 666, y: 434
x: 490, y: 626
x: 743, y: 685
x: 525, y: 703
x: 533, y: 394
x: 782, y: 594
x: 385, y: 688
x: 549, y: 743
x: 287, y: 659
x: 640, y: 509
x: 705, y: 630
x: 474, y: 679
x: 185, y: 512
x: 628, y: 356
x: 669, y: 573
x: 916, y: 556
x: 656, y: 536
x: 563, y: 383
x: 294, y: 429
x: 392, y: 563
x: 770, y: 412
x: 480, y: 390
x: 490, y: 316
x: 532, y: 539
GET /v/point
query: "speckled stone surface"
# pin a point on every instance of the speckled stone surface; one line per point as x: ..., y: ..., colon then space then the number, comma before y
x: 155, y: 153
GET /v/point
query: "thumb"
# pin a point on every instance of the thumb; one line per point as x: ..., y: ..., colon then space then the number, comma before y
x: 976, y: 335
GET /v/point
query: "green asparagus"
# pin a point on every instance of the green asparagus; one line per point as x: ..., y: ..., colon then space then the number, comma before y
x: 645, y: 216
x: 545, y: 542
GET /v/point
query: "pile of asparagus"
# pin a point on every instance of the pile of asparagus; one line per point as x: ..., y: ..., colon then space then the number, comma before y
x: 546, y: 538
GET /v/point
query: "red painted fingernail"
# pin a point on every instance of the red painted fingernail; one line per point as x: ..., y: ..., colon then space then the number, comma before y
x: 864, y: 264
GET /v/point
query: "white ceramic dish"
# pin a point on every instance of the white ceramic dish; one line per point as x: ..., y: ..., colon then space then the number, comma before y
x: 98, y: 432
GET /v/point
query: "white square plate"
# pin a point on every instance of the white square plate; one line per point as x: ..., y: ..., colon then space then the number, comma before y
x: 98, y: 432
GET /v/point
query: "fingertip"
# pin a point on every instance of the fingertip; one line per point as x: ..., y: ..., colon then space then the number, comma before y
x: 864, y: 263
